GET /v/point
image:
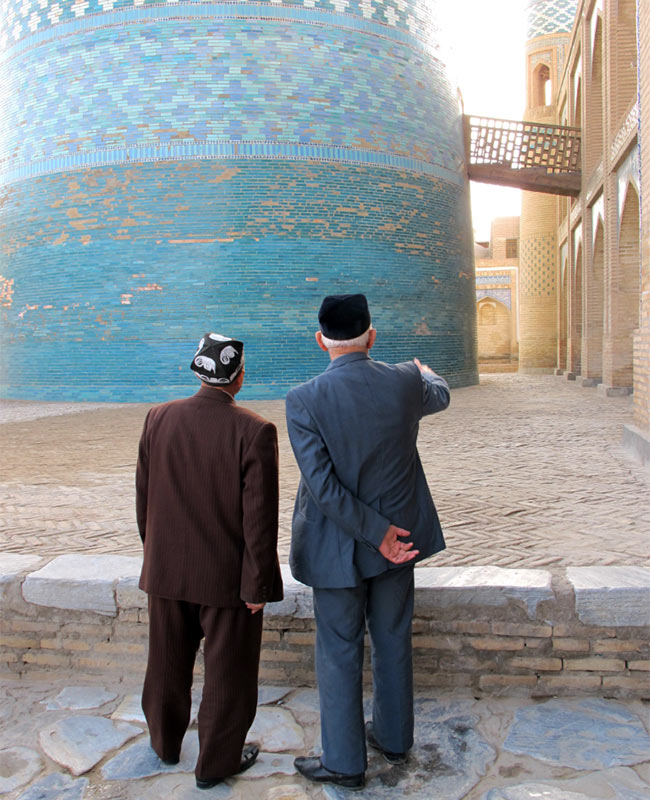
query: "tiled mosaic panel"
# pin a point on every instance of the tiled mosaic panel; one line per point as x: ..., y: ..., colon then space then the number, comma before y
x: 502, y: 295
x: 204, y: 81
x: 550, y: 16
x: 110, y: 276
x: 493, y: 279
x: 21, y: 20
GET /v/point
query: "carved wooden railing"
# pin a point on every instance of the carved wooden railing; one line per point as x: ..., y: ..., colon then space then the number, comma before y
x: 528, y: 155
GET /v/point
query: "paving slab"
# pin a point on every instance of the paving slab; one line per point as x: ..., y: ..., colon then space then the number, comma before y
x: 276, y: 730
x: 589, y: 734
x: 18, y: 765
x: 139, y: 760
x: 613, y: 784
x: 56, y: 787
x: 79, y: 742
x: 76, y: 698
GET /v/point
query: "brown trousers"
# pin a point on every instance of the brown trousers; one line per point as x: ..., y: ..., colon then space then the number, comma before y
x: 231, y: 653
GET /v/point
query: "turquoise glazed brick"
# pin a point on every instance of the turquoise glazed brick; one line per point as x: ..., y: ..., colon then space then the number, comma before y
x: 166, y: 169
x: 550, y: 16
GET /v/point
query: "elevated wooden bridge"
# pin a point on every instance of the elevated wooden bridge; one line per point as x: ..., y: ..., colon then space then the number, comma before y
x: 526, y: 155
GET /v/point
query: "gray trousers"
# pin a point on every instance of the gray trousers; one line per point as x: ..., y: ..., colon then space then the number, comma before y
x: 385, y: 603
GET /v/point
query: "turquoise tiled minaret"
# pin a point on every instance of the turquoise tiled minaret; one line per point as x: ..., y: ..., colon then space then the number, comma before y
x: 550, y: 16
x: 172, y: 168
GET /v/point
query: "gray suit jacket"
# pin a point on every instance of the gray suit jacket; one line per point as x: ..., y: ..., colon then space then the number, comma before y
x: 353, y: 430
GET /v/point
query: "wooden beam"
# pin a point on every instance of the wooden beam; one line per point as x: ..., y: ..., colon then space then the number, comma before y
x: 531, y: 180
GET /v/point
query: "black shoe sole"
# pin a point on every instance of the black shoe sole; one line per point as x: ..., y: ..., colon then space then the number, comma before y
x: 393, y: 758
x: 208, y: 783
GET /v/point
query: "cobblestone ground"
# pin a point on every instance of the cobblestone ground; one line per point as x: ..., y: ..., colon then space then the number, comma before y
x: 465, y: 749
x: 526, y: 471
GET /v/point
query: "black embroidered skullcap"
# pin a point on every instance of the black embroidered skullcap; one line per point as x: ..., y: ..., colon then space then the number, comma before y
x: 218, y: 359
x: 344, y: 316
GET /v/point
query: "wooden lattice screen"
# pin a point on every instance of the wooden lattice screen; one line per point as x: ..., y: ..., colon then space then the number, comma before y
x: 524, y: 145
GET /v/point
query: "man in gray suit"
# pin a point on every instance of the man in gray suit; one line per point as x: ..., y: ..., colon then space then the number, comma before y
x: 363, y: 516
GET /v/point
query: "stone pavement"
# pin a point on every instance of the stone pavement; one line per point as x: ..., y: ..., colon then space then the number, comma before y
x: 67, y: 741
x: 526, y: 471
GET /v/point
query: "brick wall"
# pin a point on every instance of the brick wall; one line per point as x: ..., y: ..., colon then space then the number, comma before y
x: 489, y: 630
x: 595, y: 315
x: 163, y: 175
x: 642, y: 338
x: 549, y: 24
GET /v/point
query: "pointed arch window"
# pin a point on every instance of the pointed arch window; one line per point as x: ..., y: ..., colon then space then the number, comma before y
x: 542, y: 95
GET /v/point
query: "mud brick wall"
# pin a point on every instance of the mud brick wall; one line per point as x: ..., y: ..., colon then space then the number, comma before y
x: 171, y: 169
x: 642, y: 335
x: 487, y: 630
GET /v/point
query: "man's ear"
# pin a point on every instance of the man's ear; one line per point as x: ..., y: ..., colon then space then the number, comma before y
x: 236, y: 385
x: 319, y: 339
x: 371, y: 337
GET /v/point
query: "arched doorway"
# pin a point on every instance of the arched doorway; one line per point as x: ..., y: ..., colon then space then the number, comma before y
x: 494, y: 331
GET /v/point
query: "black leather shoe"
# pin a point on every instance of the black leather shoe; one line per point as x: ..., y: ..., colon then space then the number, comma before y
x: 312, y: 769
x: 392, y: 758
x: 170, y: 761
x: 248, y: 758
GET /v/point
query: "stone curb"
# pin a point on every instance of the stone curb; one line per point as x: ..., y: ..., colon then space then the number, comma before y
x: 105, y: 584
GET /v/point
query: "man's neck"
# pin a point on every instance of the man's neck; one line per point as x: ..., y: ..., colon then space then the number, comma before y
x: 230, y: 389
x: 335, y: 352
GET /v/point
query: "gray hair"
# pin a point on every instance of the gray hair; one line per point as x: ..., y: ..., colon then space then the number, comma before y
x: 358, y: 341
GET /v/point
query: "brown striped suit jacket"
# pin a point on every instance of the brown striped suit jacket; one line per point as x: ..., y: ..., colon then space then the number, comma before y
x: 207, y: 502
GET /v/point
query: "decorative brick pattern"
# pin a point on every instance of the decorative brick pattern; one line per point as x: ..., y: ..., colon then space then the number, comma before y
x: 134, y: 261
x: 31, y: 19
x: 247, y: 90
x: 168, y: 168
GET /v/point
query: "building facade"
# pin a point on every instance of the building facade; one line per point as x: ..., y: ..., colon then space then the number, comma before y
x: 497, y: 307
x: 547, y: 38
x: 584, y: 284
x: 169, y: 169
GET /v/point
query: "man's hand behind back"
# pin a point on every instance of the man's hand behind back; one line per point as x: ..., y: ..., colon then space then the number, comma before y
x: 395, y: 551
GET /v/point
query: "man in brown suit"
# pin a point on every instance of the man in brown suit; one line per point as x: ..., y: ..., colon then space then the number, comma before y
x: 207, y: 511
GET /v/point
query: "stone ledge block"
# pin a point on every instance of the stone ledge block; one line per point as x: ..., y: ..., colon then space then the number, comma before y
x: 637, y: 442
x: 128, y: 594
x: 611, y: 596
x: 481, y: 586
x: 79, y: 582
x: 12, y: 567
x: 297, y: 601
